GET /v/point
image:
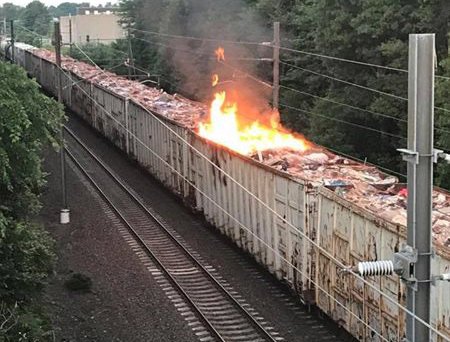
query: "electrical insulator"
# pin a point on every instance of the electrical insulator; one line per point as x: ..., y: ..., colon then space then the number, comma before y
x: 375, y: 268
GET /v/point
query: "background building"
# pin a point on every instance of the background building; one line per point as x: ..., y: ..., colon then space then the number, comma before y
x: 92, y: 24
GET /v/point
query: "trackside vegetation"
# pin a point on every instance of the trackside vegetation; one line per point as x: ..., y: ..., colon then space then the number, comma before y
x: 29, y: 121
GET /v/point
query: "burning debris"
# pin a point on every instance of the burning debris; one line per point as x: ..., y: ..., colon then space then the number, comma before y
x: 271, y: 145
x: 228, y: 126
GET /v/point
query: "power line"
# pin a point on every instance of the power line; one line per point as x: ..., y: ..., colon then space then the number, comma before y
x: 344, y: 122
x: 32, y: 32
x: 354, y: 84
x: 86, y: 55
x: 246, y: 74
x: 343, y: 59
x: 343, y: 104
x: 346, y: 82
x: 174, y: 48
x: 200, y: 38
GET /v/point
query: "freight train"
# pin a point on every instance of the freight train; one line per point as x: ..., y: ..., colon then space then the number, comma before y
x: 301, y: 215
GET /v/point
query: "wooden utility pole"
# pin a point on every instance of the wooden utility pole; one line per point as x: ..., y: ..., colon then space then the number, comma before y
x: 70, y: 35
x: 12, y: 41
x: 65, y: 213
x: 130, y: 55
x: 276, y: 65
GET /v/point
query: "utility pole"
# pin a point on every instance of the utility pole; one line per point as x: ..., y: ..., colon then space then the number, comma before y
x: 420, y: 157
x: 130, y: 55
x: 12, y: 40
x: 70, y: 34
x: 276, y: 65
x: 65, y: 213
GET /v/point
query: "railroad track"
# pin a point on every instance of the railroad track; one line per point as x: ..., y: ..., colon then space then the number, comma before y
x: 215, y: 306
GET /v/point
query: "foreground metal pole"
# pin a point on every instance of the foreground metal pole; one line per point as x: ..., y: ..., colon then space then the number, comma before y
x: 65, y: 213
x: 276, y: 65
x: 420, y: 180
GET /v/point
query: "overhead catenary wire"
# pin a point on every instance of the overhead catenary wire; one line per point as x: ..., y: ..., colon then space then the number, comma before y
x: 200, y: 38
x: 343, y: 121
x: 270, y: 45
x: 342, y: 59
x: 325, y: 252
x: 293, y: 66
x: 343, y: 104
x: 345, y: 82
x: 175, y: 48
x: 32, y: 32
x: 355, y: 84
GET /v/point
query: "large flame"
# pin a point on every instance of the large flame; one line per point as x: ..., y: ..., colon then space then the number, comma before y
x: 228, y: 127
x: 225, y: 128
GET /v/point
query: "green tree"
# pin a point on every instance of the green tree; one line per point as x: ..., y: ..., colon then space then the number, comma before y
x: 35, y: 17
x: 29, y: 121
x: 9, y: 11
x: 63, y: 9
x: 372, y: 31
x: 111, y: 57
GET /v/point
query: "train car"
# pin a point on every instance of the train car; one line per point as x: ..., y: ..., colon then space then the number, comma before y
x: 295, y: 222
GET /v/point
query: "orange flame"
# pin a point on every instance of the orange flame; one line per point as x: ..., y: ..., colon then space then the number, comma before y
x: 224, y: 128
x: 220, y: 54
x: 228, y: 127
x: 215, y: 80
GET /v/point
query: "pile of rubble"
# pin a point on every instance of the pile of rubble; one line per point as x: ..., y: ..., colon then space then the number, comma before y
x: 175, y: 107
x: 357, y: 182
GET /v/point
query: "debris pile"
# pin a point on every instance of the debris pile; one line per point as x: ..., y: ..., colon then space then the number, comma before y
x: 359, y: 183
x: 174, y: 107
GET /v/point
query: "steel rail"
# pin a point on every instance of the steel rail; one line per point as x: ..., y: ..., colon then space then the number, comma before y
x: 253, y: 322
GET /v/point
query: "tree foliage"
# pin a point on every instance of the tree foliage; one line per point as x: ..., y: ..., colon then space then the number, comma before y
x: 29, y: 121
x: 63, y: 9
x: 36, y: 17
x: 111, y: 57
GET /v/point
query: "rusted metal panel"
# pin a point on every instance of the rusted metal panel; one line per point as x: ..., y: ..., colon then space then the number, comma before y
x: 48, y: 76
x: 363, y: 236
x: 109, y: 115
x: 81, y: 98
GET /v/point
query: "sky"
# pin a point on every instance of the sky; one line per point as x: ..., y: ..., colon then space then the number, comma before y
x: 53, y: 2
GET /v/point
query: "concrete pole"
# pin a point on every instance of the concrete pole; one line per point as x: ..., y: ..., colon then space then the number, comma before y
x: 420, y: 179
x: 65, y: 213
x: 276, y: 65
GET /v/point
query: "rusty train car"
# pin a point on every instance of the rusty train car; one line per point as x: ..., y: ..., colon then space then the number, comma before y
x: 298, y: 228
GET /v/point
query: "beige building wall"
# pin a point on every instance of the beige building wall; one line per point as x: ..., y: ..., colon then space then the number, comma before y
x: 101, y: 27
